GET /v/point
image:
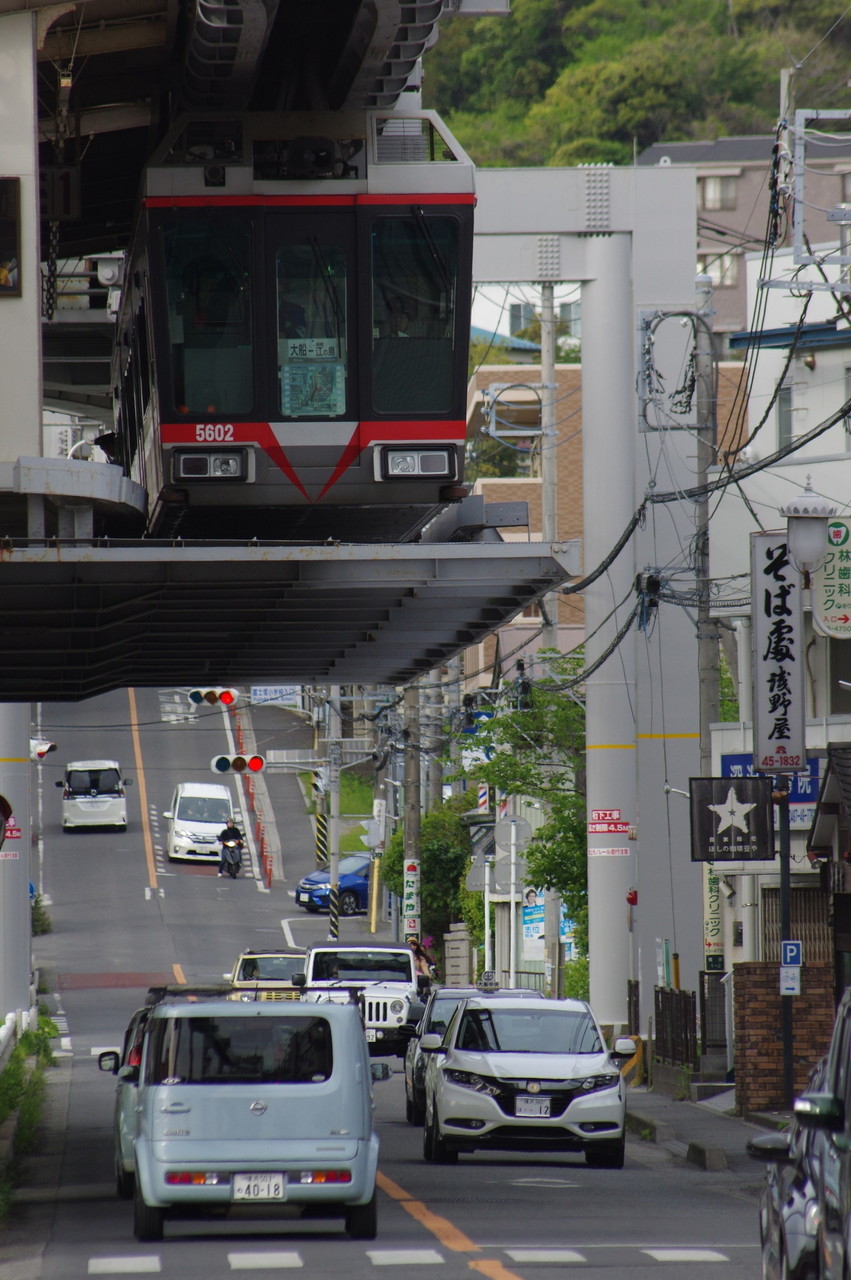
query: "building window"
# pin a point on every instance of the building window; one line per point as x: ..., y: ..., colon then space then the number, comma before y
x: 520, y: 316
x: 570, y: 315
x: 722, y: 269
x: 784, y: 417
x: 718, y: 193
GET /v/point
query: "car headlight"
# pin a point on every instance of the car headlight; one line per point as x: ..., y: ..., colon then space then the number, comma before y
x: 180, y: 834
x: 321, y: 888
x: 397, y: 1006
x: 470, y: 1080
x: 606, y: 1080
x: 812, y: 1217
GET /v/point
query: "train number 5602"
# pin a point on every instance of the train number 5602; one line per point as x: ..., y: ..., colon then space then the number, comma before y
x: 213, y: 432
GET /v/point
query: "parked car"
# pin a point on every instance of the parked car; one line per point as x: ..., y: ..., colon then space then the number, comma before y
x: 233, y: 1104
x: 267, y: 974
x: 314, y: 891
x: 788, y: 1207
x: 93, y: 795
x: 524, y: 1075
x: 434, y: 1020
x: 827, y: 1110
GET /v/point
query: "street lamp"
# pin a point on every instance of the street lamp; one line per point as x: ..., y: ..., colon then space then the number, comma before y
x: 807, y: 515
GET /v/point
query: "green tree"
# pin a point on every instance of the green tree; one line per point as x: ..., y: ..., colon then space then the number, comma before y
x: 536, y: 748
x: 444, y: 853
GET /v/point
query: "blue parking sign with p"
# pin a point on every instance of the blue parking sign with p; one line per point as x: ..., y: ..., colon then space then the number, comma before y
x: 791, y: 954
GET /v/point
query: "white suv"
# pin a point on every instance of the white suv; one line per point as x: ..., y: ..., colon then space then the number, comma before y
x: 524, y: 1075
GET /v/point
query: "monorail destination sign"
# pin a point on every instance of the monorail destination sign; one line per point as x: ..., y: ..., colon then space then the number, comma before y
x: 778, y: 657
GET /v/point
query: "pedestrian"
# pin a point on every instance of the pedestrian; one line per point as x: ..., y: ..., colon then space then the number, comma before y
x: 423, y: 959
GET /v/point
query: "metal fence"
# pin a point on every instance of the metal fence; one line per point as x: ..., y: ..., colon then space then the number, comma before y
x: 676, y: 1027
x: 713, y: 1012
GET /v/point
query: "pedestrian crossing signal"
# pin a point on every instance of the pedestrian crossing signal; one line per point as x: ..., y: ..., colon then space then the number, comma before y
x: 225, y: 697
x: 238, y: 764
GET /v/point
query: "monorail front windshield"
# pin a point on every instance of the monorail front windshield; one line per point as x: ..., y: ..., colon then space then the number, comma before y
x: 267, y: 311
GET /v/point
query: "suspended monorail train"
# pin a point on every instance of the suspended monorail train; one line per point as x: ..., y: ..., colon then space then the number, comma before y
x: 292, y: 340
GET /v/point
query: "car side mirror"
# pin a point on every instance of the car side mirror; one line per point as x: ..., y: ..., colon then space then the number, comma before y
x: 60, y: 783
x: 623, y: 1047
x: 167, y: 813
x: 432, y: 1044
x: 772, y: 1148
x: 127, y: 782
x: 820, y: 1111
x: 299, y: 979
x: 109, y: 1060
x: 379, y: 1070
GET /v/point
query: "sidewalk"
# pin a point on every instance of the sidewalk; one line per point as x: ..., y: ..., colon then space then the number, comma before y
x: 704, y: 1133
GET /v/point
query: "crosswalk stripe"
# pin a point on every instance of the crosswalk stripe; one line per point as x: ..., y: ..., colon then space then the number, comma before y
x: 545, y: 1255
x: 264, y: 1261
x: 402, y: 1257
x: 124, y: 1266
x: 685, y: 1255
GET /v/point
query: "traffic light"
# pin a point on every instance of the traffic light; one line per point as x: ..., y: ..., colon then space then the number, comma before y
x: 238, y: 764
x: 227, y: 697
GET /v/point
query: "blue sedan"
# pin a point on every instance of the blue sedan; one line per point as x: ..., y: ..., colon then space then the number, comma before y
x: 314, y: 891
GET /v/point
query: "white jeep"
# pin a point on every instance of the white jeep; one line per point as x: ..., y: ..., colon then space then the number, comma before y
x: 382, y: 979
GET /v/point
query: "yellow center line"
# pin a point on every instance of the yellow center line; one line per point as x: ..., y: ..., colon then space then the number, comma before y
x: 179, y: 975
x: 143, y: 790
x: 442, y: 1228
x: 447, y: 1234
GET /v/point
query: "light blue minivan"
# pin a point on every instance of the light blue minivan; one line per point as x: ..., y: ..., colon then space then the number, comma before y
x: 239, y: 1104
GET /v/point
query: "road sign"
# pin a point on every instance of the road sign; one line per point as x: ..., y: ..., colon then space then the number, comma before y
x: 503, y: 833
x: 791, y: 954
x: 790, y: 980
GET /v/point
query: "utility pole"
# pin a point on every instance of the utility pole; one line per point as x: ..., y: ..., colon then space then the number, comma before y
x: 335, y: 759
x: 707, y: 628
x: 411, y: 810
x: 549, y: 452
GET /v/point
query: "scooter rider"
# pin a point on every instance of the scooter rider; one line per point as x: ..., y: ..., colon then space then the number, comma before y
x: 230, y: 832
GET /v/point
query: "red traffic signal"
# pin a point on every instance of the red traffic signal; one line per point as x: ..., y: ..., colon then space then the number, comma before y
x: 226, y: 697
x: 238, y: 764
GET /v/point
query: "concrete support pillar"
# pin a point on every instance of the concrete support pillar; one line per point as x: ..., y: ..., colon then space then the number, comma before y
x: 609, y: 442
x: 20, y: 317
x: 15, y: 874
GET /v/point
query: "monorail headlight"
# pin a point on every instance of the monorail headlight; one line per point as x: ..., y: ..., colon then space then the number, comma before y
x: 430, y: 463
x: 210, y: 464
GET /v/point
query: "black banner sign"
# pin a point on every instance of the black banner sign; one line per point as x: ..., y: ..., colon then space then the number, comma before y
x: 732, y: 819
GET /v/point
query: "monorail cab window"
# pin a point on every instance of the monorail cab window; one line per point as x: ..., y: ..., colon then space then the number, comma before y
x: 311, y: 280
x: 207, y: 274
x: 415, y: 338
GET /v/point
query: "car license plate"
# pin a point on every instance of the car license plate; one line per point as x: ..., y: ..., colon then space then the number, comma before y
x: 526, y: 1106
x: 370, y: 1035
x: 259, y: 1186
x: 302, y: 897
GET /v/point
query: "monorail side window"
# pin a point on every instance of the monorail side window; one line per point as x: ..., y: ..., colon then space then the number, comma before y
x: 310, y: 280
x: 414, y: 268
x: 209, y: 316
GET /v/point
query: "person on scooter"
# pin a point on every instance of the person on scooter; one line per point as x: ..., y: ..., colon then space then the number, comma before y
x: 229, y: 833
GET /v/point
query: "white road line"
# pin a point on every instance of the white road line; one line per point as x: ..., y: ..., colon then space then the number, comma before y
x: 545, y: 1255
x: 685, y: 1255
x: 288, y: 933
x: 124, y: 1266
x: 402, y: 1257
x: 104, y: 1048
x: 263, y: 1261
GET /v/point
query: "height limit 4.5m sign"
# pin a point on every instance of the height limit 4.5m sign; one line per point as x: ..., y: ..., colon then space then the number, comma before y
x: 778, y: 657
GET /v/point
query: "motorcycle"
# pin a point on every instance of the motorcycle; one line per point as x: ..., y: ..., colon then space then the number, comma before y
x: 232, y: 857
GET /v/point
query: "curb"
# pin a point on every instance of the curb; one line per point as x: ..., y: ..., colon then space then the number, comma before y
x: 702, y: 1154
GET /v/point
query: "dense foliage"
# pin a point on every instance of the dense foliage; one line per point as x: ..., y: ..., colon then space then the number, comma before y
x: 537, y: 750
x: 567, y: 82
x: 444, y: 851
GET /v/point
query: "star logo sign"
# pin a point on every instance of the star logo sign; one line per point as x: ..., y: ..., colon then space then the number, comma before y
x: 732, y: 813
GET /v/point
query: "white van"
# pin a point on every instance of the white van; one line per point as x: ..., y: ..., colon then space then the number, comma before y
x: 247, y: 1104
x: 198, y: 812
x: 93, y: 795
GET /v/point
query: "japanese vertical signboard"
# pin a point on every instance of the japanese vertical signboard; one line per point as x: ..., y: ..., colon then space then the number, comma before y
x: 778, y: 656
x: 832, y: 583
x: 411, y: 897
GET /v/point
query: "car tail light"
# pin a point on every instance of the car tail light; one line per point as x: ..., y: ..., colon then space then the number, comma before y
x: 193, y: 1178
x: 315, y: 1177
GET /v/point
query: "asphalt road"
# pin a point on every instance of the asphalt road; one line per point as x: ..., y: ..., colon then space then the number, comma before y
x: 124, y: 917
